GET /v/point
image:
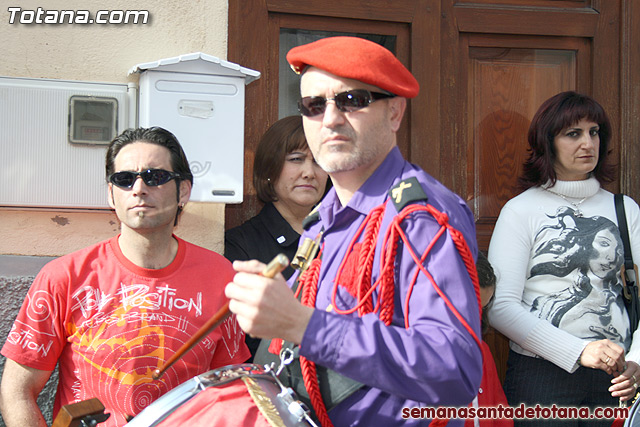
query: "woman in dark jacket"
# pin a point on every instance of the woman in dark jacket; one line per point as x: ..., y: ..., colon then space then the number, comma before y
x: 290, y: 183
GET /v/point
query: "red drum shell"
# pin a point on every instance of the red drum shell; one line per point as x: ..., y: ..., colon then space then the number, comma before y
x: 219, y: 398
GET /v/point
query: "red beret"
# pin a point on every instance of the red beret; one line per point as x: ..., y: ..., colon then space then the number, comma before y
x: 358, y: 59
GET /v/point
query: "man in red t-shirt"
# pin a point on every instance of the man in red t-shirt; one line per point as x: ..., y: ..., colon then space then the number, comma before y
x: 112, y: 313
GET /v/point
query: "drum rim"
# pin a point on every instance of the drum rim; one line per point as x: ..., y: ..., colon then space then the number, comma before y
x: 184, y: 392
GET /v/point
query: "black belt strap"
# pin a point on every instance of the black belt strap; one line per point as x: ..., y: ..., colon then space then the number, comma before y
x: 624, y: 231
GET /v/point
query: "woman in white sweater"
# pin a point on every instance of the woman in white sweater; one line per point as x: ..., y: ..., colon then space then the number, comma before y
x: 557, y: 253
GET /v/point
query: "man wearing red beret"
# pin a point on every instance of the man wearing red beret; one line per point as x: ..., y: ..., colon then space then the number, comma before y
x: 388, y: 318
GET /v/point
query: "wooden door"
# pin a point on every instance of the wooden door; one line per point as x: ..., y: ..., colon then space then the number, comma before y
x: 507, y: 62
x: 484, y: 67
x: 504, y: 62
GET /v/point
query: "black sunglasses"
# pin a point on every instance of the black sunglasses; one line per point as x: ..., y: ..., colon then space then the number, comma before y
x: 347, y: 102
x: 151, y: 177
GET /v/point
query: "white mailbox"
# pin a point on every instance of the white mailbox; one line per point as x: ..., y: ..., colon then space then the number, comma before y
x: 200, y: 99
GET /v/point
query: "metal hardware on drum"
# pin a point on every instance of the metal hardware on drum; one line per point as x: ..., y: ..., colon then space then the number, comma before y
x: 295, y: 407
x: 286, y: 357
x: 287, y: 395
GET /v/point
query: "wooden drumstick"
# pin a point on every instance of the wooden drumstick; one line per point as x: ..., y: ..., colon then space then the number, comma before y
x: 277, y: 264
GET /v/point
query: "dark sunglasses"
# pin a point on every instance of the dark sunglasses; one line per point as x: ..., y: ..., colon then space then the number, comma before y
x: 346, y: 102
x: 151, y: 177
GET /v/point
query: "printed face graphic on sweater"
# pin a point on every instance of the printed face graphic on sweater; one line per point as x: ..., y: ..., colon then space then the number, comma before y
x: 576, y: 264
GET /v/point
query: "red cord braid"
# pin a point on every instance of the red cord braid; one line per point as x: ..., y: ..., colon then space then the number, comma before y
x: 309, y: 281
x: 311, y: 273
x: 387, y: 277
x: 467, y: 258
x: 310, y: 378
x: 275, y: 346
x: 367, y: 254
x: 463, y: 249
x: 386, y: 281
x: 345, y: 276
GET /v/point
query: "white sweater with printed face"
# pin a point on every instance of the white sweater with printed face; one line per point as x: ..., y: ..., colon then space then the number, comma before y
x: 557, y: 255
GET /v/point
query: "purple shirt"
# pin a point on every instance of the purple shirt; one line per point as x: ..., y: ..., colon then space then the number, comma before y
x: 436, y: 362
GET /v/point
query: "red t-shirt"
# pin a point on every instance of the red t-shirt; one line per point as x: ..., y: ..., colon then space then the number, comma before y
x: 111, y: 323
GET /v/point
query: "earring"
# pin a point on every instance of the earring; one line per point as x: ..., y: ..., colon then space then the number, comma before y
x: 268, y: 179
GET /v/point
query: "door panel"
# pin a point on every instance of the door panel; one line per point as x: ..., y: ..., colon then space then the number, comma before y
x: 499, y: 77
x: 555, y: 21
x: 506, y: 87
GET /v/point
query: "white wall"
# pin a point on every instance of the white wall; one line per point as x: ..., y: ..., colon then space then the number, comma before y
x: 103, y: 53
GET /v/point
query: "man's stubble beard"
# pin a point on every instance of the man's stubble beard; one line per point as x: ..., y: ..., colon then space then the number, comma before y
x: 348, y: 160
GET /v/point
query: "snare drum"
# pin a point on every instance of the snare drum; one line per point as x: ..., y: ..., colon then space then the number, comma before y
x: 235, y: 395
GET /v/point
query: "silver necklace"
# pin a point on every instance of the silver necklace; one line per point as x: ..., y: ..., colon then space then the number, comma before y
x: 575, y: 205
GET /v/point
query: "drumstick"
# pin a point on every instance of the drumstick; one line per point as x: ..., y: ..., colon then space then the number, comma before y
x: 277, y: 264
